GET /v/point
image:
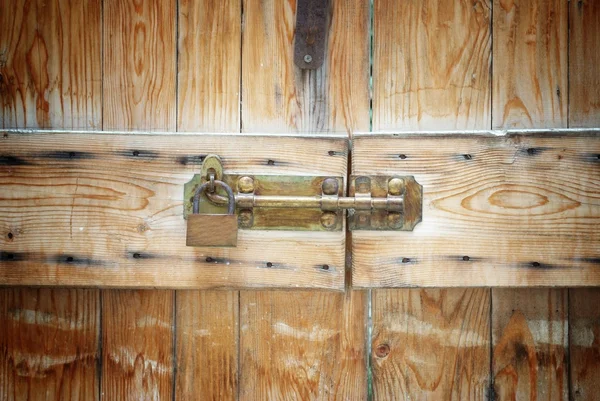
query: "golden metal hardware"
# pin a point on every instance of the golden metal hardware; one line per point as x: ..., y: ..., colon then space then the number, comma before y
x: 314, y: 203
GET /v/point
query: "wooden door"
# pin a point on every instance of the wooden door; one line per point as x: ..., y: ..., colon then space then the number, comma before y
x: 129, y: 312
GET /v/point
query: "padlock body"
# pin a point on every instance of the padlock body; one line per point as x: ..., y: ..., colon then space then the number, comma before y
x: 219, y: 230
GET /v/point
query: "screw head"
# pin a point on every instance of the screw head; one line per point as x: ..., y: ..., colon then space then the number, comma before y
x: 330, y: 186
x: 329, y: 220
x: 394, y: 219
x: 396, y: 186
x: 246, y: 185
x: 245, y: 218
x: 308, y: 59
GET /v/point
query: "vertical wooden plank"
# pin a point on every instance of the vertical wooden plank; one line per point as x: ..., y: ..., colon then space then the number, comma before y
x: 49, y: 344
x: 584, y: 340
x: 138, y: 93
x: 333, y: 98
x: 49, y: 78
x: 139, y: 65
x: 50, y: 64
x: 529, y: 327
x: 209, y: 69
x: 584, y: 111
x: 209, y: 48
x: 430, y: 344
x: 137, y: 343
x: 431, y: 65
x: 303, y: 345
x: 530, y: 335
x: 207, y: 345
x: 584, y: 63
x: 530, y: 64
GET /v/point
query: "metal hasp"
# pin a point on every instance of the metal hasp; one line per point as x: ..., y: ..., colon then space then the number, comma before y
x: 300, y: 203
x: 310, y: 35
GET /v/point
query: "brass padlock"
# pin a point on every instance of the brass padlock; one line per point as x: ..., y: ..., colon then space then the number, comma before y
x: 212, y: 229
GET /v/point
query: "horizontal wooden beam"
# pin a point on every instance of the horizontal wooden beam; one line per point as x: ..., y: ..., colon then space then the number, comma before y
x: 499, y: 209
x: 106, y: 209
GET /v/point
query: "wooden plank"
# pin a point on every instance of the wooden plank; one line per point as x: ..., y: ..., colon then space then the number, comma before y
x: 137, y: 345
x: 207, y: 344
x: 530, y: 64
x: 279, y: 97
x: 49, y: 344
x: 451, y: 324
x: 584, y: 64
x: 209, y: 69
x: 309, y: 345
x: 50, y: 64
x: 514, y: 210
x: 139, y: 67
x: 431, y: 65
x: 107, y: 210
x: 530, y: 344
x: 584, y: 343
x: 302, y: 346
x: 208, y: 83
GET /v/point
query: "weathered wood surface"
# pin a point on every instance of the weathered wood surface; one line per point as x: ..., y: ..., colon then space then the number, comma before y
x: 98, y: 209
x: 209, y: 65
x: 49, y: 344
x: 584, y: 63
x: 431, y: 65
x: 515, y: 210
x: 584, y: 343
x: 279, y: 97
x: 530, y: 344
x: 50, y: 71
x: 309, y: 345
x: 139, y: 65
x: 530, y: 64
x: 137, y: 345
x: 207, y: 344
x: 302, y: 346
x: 430, y: 344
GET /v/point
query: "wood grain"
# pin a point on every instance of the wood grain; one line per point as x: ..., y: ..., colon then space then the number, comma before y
x: 431, y: 65
x: 207, y: 344
x: 209, y: 67
x: 514, y: 210
x: 530, y: 64
x: 530, y: 339
x: 107, y: 210
x: 279, y: 97
x: 584, y: 343
x: 137, y: 345
x: 209, y: 73
x: 584, y: 63
x: 309, y: 345
x: 302, y: 346
x: 139, y: 68
x: 49, y: 344
x: 50, y: 72
x: 430, y: 344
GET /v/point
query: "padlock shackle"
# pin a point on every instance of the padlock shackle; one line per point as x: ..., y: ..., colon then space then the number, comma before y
x: 217, y: 183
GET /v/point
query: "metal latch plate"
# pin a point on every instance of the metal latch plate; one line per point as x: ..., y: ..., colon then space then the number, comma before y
x: 383, y: 220
x: 266, y: 218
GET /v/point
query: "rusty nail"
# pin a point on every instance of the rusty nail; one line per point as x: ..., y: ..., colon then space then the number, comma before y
x: 329, y: 219
x: 396, y: 186
x: 308, y: 59
x: 382, y: 350
x: 330, y: 186
x: 246, y: 218
x: 246, y: 185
